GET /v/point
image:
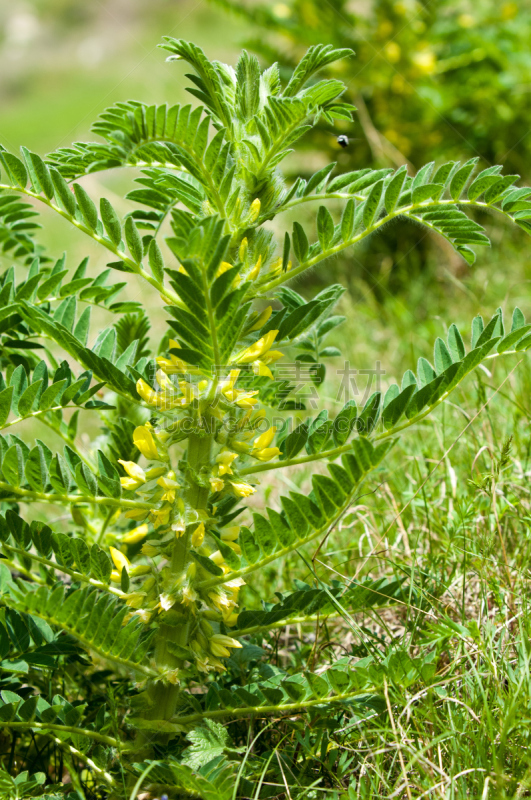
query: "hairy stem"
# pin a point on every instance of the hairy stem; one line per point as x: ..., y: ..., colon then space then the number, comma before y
x: 164, y: 698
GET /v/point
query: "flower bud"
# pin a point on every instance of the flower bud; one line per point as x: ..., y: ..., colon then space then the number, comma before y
x: 150, y: 549
x: 242, y: 489
x: 140, y: 569
x: 120, y: 561
x: 198, y: 535
x: 254, y: 210
x: 144, y: 441
x: 136, y: 534
x: 265, y: 439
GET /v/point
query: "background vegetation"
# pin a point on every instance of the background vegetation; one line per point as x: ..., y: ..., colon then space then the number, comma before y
x: 436, y: 81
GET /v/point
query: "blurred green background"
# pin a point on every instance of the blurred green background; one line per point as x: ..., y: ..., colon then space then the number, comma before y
x: 62, y: 62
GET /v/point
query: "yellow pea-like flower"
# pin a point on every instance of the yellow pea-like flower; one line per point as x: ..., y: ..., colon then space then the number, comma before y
x: 230, y: 534
x: 143, y: 439
x: 267, y: 453
x: 130, y: 483
x: 198, y: 535
x: 146, y: 392
x: 136, y: 534
x: 160, y: 516
x: 120, y: 561
x: 256, y: 350
x: 224, y: 460
x: 216, y: 484
x: 243, y: 489
x: 265, y: 439
x: 262, y: 318
x: 133, y: 470
x: 221, y: 645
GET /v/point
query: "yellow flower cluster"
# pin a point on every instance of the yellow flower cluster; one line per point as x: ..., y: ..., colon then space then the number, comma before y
x: 162, y: 590
x: 209, y: 647
x: 259, y: 449
x: 260, y: 354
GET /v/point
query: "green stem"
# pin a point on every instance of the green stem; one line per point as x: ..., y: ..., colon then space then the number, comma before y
x: 345, y: 448
x: 308, y: 199
x: 42, y: 497
x: 322, y: 530
x: 44, y: 726
x: 35, y: 414
x: 406, y: 211
x: 134, y: 266
x: 262, y: 711
x: 76, y: 576
x: 164, y: 698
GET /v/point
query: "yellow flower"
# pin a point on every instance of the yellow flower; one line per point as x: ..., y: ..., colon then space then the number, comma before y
x: 252, y: 276
x: 163, y: 380
x: 134, y: 599
x: 242, y: 252
x: 143, y: 439
x: 246, y: 399
x: 224, y: 460
x: 262, y: 370
x: 222, y: 602
x: 220, y: 645
x: 172, y: 676
x: 129, y: 484
x: 243, y: 489
x: 256, y: 350
x: 230, y: 534
x: 160, y: 516
x: 189, y: 596
x: 178, y: 527
x: 170, y: 485
x: 133, y: 470
x: 425, y: 61
x: 265, y: 438
x: 198, y: 535
x: 120, y: 561
x: 147, y: 393
x: 267, y: 453
x: 217, y: 558
x: 166, y: 601
x: 216, y: 484
x: 136, y: 534
x: 254, y: 210
x: 227, y: 387
x: 272, y: 356
x: 144, y: 614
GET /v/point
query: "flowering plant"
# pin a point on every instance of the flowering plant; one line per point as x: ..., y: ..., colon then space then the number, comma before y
x: 147, y: 579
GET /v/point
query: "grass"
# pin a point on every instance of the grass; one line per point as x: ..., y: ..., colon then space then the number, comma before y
x: 451, y: 509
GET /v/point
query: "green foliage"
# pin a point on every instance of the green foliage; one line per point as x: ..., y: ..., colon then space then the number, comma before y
x: 416, y: 67
x: 431, y: 82
x: 137, y: 582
